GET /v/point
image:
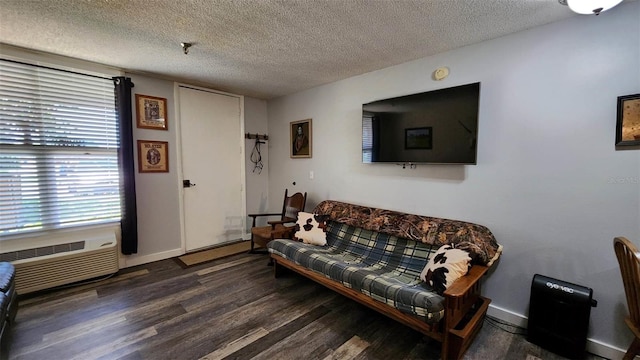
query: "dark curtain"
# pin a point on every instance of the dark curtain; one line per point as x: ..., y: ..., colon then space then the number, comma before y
x: 129, y: 222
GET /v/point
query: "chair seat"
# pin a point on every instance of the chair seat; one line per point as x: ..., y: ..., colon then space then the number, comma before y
x: 263, y: 234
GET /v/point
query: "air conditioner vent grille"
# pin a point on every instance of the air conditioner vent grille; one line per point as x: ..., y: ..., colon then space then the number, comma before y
x: 51, y: 271
x: 41, y: 251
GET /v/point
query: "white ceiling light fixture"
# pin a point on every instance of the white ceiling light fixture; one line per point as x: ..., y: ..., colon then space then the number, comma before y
x: 588, y: 7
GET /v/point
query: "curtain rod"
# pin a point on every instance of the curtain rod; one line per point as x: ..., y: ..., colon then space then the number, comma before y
x: 52, y: 68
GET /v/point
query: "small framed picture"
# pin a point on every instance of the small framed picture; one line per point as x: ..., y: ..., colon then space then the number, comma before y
x: 153, y: 156
x: 151, y: 112
x: 300, y: 138
x: 418, y: 138
x: 628, y: 121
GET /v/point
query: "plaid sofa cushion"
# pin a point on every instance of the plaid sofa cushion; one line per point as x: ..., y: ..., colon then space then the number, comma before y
x: 384, y: 267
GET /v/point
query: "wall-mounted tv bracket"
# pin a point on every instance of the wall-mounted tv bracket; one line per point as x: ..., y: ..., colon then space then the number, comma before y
x: 409, y: 165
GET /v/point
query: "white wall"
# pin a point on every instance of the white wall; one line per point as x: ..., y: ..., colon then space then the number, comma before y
x: 545, y: 182
x: 255, y: 122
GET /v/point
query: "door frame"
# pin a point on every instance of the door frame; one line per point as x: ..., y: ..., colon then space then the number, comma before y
x: 176, y: 94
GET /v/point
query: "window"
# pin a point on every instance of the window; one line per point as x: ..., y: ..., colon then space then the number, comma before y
x: 58, y: 149
x: 367, y: 138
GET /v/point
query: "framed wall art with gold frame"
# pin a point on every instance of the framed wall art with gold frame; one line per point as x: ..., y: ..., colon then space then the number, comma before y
x: 151, y: 112
x: 300, y: 138
x: 153, y: 156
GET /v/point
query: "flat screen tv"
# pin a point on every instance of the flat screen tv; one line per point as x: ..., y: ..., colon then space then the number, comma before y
x: 434, y: 127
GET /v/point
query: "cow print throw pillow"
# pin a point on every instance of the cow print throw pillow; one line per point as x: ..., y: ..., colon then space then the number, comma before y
x: 310, y: 229
x: 445, y: 267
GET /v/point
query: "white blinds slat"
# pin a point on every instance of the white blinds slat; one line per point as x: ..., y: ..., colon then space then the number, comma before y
x: 58, y: 149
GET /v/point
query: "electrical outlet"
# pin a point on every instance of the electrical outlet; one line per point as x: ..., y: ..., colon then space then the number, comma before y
x: 311, y: 175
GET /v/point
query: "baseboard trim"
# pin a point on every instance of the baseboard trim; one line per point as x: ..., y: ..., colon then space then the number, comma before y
x: 595, y: 347
x: 605, y: 350
x: 135, y: 260
x: 508, y: 316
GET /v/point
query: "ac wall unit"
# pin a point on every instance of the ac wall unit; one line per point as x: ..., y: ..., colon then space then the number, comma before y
x: 92, y: 258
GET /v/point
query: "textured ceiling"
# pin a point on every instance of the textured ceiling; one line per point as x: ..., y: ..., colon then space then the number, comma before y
x: 264, y: 48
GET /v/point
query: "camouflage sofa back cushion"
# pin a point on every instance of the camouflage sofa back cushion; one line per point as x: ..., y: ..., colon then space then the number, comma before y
x: 473, y: 238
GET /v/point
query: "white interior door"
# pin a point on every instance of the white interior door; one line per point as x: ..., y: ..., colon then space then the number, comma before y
x: 213, y: 162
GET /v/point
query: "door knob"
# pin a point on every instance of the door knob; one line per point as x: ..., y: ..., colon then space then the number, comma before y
x: 187, y: 183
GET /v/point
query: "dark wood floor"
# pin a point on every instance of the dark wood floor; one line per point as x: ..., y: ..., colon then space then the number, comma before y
x: 232, y: 308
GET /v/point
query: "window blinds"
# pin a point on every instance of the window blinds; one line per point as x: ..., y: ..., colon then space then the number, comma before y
x: 367, y: 139
x: 58, y: 149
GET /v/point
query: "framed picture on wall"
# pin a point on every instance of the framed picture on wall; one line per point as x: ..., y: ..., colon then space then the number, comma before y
x: 151, y: 112
x: 628, y: 121
x: 153, y: 156
x: 300, y: 138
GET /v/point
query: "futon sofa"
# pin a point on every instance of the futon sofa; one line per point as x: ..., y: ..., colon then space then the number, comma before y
x: 398, y: 264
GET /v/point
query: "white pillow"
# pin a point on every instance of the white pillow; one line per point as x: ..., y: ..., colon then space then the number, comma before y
x: 309, y: 231
x: 445, y: 267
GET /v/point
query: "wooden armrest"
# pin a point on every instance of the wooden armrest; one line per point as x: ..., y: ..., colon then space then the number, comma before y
x: 277, y: 222
x: 256, y: 215
x: 463, y: 284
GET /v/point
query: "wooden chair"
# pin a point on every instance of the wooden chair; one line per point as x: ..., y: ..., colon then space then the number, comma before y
x: 261, y: 235
x: 629, y: 260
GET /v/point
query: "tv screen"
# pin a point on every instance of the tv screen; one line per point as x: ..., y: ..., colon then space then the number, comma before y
x: 434, y: 127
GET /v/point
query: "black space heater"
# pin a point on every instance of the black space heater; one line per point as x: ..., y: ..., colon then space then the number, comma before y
x: 559, y: 316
